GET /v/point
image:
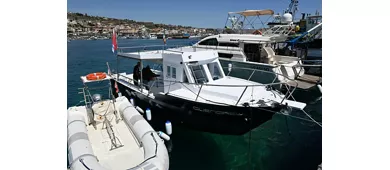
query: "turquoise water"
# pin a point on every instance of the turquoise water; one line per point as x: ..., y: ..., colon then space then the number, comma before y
x: 281, y: 143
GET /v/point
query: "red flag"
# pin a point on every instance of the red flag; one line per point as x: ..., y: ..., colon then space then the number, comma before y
x: 116, y: 87
x: 114, y: 43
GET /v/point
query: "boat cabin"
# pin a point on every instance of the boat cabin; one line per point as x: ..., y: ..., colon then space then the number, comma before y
x: 180, y: 66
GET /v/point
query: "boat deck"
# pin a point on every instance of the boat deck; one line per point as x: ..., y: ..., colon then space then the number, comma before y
x: 125, y: 157
x: 216, y: 94
x: 305, y: 81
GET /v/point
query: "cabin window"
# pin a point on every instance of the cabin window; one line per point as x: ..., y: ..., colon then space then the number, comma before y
x: 212, y: 42
x: 214, y: 70
x: 173, y: 72
x: 224, y: 55
x: 228, y: 44
x: 185, y: 79
x: 252, y: 52
x: 199, y: 74
x: 168, y: 71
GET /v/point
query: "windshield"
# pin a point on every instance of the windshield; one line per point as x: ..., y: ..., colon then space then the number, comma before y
x: 214, y: 70
x: 199, y: 74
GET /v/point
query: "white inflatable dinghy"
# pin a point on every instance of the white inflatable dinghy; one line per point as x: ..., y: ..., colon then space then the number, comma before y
x: 101, y: 139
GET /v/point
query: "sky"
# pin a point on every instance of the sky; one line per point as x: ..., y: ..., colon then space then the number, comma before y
x: 199, y: 13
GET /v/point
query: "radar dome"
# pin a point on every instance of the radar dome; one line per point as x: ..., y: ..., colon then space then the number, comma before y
x: 286, y: 18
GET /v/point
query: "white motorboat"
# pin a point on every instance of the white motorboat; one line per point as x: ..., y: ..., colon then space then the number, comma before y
x: 193, y: 90
x: 252, y: 51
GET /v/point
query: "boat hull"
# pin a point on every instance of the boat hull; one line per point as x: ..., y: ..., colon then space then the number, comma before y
x: 220, y: 119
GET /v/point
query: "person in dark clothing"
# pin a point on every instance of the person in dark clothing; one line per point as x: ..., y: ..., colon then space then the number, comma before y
x: 147, y: 75
x: 136, y: 73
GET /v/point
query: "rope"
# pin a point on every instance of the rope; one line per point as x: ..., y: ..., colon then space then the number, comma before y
x: 154, y: 156
x: 85, y: 166
x: 250, y: 139
x: 79, y: 103
x: 309, y: 120
x: 319, y: 124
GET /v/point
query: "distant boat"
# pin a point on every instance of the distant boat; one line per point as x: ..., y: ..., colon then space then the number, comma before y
x: 195, y: 36
x: 184, y: 36
x: 153, y: 37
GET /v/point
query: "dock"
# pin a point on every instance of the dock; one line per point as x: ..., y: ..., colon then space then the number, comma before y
x: 305, y: 81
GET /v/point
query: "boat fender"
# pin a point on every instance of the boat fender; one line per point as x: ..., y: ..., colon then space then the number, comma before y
x: 139, y: 110
x: 230, y: 67
x: 132, y: 101
x: 319, y: 87
x: 164, y: 136
x: 168, y: 127
x: 148, y: 114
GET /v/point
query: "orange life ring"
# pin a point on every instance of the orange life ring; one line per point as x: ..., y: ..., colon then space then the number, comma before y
x: 96, y: 76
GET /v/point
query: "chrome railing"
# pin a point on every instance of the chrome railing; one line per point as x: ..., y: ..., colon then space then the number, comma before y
x: 290, y: 89
x: 148, y: 48
x: 213, y: 47
x: 199, y: 87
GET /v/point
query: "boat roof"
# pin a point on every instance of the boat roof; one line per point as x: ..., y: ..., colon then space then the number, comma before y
x: 254, y: 12
x: 183, y: 54
x: 146, y: 55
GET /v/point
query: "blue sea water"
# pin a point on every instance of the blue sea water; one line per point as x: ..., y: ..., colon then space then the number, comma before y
x: 281, y: 143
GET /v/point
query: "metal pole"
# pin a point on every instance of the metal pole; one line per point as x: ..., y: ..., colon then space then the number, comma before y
x: 241, y: 95
x: 141, y: 75
x: 199, y: 92
x: 117, y: 67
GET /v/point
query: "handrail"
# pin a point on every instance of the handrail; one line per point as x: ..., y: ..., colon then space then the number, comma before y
x: 144, y: 48
x: 218, y: 48
x: 198, y: 95
x: 200, y: 89
x: 290, y: 88
x: 218, y: 85
x: 241, y: 95
x: 251, y: 69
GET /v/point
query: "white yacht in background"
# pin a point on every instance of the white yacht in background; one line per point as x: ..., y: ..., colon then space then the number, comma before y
x: 247, y: 47
x: 255, y: 52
